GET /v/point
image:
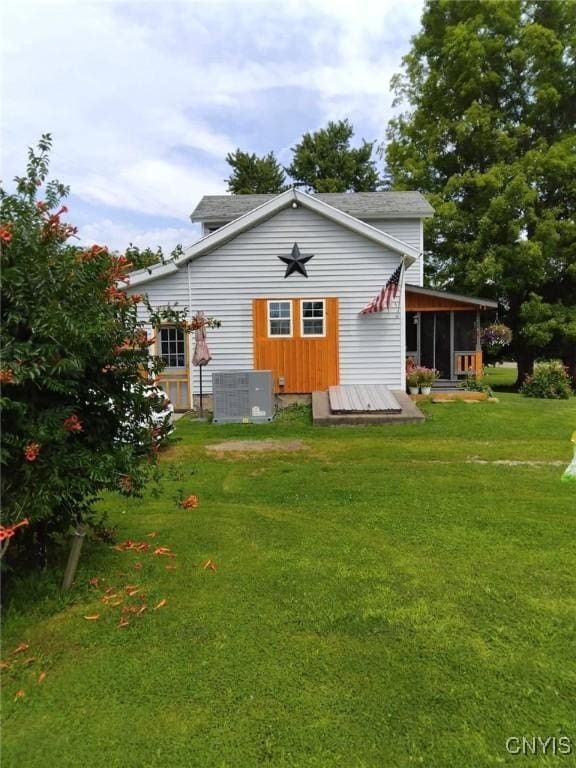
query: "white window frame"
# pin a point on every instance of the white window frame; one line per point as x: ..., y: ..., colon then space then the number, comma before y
x: 313, y: 335
x: 291, y: 319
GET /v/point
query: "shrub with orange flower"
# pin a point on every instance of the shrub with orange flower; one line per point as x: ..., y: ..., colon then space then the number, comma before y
x: 31, y: 451
x: 6, y: 532
x: 116, y: 295
x: 6, y: 376
x: 65, y: 338
x: 72, y: 424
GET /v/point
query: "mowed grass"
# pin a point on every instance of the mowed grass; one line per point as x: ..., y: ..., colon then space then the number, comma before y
x: 382, y: 598
x: 500, y: 377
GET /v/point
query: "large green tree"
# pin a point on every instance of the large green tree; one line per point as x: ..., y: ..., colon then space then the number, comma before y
x: 325, y: 161
x: 489, y: 134
x: 253, y: 175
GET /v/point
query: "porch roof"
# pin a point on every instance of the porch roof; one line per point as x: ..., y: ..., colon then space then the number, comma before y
x: 472, y: 301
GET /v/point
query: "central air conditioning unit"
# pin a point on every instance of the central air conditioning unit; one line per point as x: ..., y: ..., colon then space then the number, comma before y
x: 242, y: 397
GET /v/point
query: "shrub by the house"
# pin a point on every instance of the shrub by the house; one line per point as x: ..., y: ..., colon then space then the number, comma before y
x: 550, y: 380
x: 75, y: 369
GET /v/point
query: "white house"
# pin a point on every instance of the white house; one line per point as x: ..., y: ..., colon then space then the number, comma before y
x: 288, y: 275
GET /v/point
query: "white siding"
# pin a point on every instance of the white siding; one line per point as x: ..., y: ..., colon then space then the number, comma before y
x: 411, y: 232
x: 345, y: 265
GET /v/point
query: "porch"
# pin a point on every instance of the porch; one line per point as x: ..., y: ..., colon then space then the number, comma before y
x: 443, y: 332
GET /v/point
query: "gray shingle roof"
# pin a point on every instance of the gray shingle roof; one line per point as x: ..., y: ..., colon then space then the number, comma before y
x: 362, y: 205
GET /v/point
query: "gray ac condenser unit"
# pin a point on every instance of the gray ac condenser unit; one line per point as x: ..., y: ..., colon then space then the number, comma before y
x: 242, y: 397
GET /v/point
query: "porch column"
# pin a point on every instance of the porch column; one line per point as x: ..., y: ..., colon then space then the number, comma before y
x: 478, y: 357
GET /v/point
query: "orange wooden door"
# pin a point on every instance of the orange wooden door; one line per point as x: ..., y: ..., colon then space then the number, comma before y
x: 306, y: 363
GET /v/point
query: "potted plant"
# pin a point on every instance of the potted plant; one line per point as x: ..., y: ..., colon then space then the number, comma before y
x: 412, y: 380
x: 427, y: 377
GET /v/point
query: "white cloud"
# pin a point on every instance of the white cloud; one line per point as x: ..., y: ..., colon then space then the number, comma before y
x: 130, y: 91
x: 151, y: 186
x: 118, y: 236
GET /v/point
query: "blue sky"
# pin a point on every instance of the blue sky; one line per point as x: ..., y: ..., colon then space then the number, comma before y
x: 144, y: 99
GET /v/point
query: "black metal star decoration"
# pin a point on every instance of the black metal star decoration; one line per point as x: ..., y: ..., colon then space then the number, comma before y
x: 296, y: 262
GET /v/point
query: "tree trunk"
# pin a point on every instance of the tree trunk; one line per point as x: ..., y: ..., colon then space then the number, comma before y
x: 74, y: 557
x: 525, y: 361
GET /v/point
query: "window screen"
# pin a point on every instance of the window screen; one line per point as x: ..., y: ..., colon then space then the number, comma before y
x: 464, y: 331
x: 411, y: 331
x: 172, y: 349
x: 312, y: 318
x: 280, y: 318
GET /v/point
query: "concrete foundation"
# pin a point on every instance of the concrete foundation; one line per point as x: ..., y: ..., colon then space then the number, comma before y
x: 323, y: 416
x: 281, y: 401
x: 285, y: 401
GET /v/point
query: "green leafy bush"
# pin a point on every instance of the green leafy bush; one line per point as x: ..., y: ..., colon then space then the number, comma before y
x: 550, y: 380
x: 77, y: 415
x: 473, y: 383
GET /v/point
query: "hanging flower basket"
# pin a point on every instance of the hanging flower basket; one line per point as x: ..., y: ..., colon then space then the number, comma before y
x: 496, y: 335
x: 495, y: 341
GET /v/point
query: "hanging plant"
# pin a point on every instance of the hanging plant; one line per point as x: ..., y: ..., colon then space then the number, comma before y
x: 496, y: 335
x: 495, y: 341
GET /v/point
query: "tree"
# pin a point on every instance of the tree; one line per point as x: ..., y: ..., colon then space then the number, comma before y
x: 253, y: 175
x: 490, y: 138
x: 142, y: 258
x: 324, y: 161
x: 76, y: 373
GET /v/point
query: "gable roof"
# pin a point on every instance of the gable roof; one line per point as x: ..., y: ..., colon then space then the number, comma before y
x: 290, y: 198
x: 362, y: 205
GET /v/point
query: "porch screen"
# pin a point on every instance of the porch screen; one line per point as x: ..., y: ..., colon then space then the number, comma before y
x: 464, y: 331
x: 411, y: 332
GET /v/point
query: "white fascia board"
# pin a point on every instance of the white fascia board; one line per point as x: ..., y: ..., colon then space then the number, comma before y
x: 292, y: 196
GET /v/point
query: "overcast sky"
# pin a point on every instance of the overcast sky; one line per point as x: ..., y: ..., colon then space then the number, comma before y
x: 144, y: 99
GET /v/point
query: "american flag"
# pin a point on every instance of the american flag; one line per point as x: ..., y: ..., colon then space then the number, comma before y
x: 387, y: 293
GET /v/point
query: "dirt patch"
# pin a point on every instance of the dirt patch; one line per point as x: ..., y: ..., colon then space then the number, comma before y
x: 501, y: 462
x: 257, y: 446
x: 511, y: 463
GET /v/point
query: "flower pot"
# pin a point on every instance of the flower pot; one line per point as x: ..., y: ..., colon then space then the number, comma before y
x: 413, y: 390
x: 425, y: 390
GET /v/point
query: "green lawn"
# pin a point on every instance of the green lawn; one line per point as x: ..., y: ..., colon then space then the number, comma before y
x: 382, y: 599
x: 500, y: 377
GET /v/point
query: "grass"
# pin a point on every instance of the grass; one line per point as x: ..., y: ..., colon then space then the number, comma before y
x: 380, y: 600
x: 500, y: 378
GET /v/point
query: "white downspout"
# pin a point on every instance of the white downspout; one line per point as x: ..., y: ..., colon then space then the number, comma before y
x: 189, y: 342
x: 402, y: 318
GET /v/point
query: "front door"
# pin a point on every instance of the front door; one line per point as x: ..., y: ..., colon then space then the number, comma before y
x: 297, y: 339
x: 172, y: 347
